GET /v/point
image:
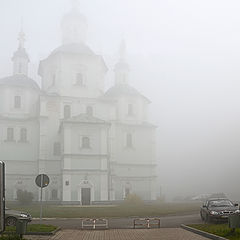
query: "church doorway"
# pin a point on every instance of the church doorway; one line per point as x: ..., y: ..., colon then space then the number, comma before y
x: 86, y: 196
x: 85, y: 192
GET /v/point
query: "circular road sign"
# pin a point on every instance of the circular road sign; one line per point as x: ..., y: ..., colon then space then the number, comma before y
x: 42, y: 180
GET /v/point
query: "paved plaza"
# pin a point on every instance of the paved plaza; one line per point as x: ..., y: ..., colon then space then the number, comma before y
x: 123, y: 234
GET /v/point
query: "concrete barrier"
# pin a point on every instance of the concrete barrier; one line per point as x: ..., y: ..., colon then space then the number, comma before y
x: 146, y: 222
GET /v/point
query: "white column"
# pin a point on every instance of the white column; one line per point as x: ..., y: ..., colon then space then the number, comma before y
x: 104, y: 187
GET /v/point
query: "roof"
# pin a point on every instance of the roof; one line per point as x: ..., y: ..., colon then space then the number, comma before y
x: 19, y: 80
x: 75, y: 48
x: 123, y: 90
x: 84, y: 118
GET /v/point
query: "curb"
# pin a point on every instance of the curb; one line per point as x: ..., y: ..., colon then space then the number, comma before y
x: 43, y: 233
x: 202, y: 233
x: 39, y: 233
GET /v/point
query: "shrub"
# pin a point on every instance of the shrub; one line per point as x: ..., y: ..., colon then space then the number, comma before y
x: 10, y: 237
x: 133, y: 199
x: 24, y: 197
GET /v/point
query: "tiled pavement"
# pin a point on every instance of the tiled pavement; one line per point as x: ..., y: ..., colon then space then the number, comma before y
x: 123, y: 234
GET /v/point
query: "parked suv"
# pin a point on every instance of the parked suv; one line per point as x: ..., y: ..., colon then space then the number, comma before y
x: 11, y: 217
x: 218, y: 209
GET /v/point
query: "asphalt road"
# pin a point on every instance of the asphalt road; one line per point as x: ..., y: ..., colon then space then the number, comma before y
x: 124, y: 223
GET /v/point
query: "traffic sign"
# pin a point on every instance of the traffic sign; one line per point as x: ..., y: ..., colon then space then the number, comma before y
x: 42, y: 180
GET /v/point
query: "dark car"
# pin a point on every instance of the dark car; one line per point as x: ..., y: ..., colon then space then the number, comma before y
x: 11, y: 217
x: 218, y: 209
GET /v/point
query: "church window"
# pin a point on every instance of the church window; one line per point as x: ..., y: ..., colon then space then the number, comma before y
x: 19, y: 68
x: 67, y: 111
x: 79, y: 79
x: 85, y: 142
x: 130, y: 109
x: 53, y: 79
x: 89, y: 110
x: 23, y: 135
x: 57, y: 149
x: 129, y: 143
x: 17, y: 102
x: 10, y: 134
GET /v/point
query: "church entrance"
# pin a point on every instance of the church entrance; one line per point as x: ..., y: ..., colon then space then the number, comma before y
x: 86, y: 196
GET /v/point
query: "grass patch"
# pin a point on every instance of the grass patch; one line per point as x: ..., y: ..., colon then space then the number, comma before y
x: 34, y: 228
x: 221, y: 230
x: 123, y: 210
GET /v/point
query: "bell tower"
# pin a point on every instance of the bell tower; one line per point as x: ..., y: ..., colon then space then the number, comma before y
x: 20, y: 57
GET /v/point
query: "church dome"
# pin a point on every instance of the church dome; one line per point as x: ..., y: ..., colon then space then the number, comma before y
x: 74, y: 48
x: 19, y: 80
x: 122, y: 90
x: 21, y: 53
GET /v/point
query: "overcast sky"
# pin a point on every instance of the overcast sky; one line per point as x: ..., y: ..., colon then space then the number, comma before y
x: 184, y: 56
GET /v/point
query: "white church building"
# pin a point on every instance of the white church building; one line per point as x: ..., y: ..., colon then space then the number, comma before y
x: 94, y: 145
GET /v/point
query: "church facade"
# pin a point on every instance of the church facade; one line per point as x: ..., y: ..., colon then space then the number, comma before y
x: 94, y: 145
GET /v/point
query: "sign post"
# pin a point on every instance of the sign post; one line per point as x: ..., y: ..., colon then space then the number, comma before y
x: 42, y: 181
x: 2, y: 196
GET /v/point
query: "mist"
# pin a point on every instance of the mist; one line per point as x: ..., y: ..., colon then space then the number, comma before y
x: 183, y: 55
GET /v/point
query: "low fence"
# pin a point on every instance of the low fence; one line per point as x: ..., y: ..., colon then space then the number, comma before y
x: 94, y: 223
x: 146, y: 222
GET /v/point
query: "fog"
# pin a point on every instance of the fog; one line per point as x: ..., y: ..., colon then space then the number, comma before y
x: 183, y: 55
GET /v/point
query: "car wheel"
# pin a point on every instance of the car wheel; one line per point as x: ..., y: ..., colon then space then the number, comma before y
x: 11, y: 221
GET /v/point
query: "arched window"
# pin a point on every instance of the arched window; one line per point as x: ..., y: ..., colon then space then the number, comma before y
x: 53, y: 79
x: 10, y: 134
x: 79, y: 79
x: 124, y: 78
x: 23, y: 135
x: 20, y: 68
x: 85, y: 142
x: 67, y: 111
x: 17, y: 102
x: 129, y: 143
x: 89, y: 110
